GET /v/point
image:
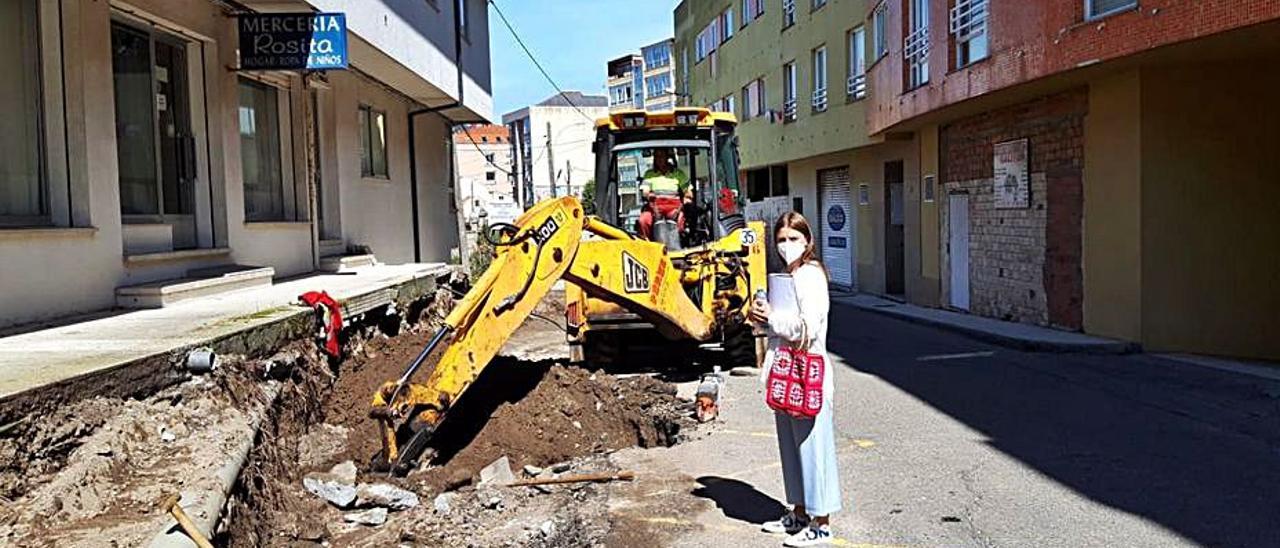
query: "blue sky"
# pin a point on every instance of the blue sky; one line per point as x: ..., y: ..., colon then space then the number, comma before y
x: 573, y: 39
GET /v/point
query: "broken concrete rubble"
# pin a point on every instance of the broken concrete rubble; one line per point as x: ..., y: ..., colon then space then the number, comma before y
x: 497, y: 472
x: 371, y: 517
x: 336, y: 486
x: 384, y: 495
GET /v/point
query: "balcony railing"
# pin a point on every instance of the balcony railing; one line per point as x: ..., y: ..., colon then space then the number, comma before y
x: 915, y: 47
x: 968, y: 19
x: 819, y: 99
x: 789, y: 110
x: 857, y: 86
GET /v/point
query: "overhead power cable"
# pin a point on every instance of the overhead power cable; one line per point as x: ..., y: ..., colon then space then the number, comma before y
x: 507, y: 23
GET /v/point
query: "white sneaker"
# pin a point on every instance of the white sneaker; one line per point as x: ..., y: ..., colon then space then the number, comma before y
x: 813, y: 535
x: 788, y: 524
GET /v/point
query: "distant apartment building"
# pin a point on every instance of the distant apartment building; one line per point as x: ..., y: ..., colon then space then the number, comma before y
x: 551, y: 145
x: 135, y: 153
x: 1104, y: 166
x: 645, y: 81
x: 486, y: 188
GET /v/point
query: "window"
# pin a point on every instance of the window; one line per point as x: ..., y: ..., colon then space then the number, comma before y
x: 23, y: 188
x: 708, y: 39
x: 728, y: 104
x: 657, y: 56
x: 767, y: 182
x: 856, y: 86
x: 726, y: 22
x: 373, y: 142
x: 490, y: 176
x: 488, y: 157
x: 880, y: 30
x: 968, y: 26
x: 819, y: 3
x: 753, y: 100
x: 260, y: 162
x: 788, y: 13
x: 789, y: 92
x: 819, y: 99
x: 915, y: 47
x: 1094, y: 9
x: 620, y: 95
x: 751, y: 10
x: 658, y: 84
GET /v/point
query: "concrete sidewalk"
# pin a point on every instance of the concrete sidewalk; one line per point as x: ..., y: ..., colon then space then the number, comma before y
x: 79, y: 353
x: 1010, y: 334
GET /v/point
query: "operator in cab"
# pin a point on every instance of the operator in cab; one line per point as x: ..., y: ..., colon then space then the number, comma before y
x: 662, y: 188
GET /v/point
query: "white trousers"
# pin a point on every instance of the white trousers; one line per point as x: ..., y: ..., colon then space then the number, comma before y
x: 808, y: 450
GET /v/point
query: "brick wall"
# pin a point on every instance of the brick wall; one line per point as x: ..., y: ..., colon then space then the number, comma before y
x: 1024, y: 263
x: 1033, y: 39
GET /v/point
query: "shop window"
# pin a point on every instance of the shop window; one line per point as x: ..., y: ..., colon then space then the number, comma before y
x: 260, y: 159
x: 24, y: 188
x: 373, y: 142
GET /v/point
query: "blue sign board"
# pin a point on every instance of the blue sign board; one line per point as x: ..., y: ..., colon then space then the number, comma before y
x: 285, y: 41
x: 836, y: 242
x: 835, y: 217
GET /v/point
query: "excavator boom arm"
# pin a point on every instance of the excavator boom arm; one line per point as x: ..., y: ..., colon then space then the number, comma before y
x: 547, y: 246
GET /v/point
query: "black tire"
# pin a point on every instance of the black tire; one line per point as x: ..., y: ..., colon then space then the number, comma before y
x: 740, y: 347
x: 601, y: 349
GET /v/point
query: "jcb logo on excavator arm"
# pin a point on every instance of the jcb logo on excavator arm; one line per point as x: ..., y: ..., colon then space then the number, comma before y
x: 635, y: 276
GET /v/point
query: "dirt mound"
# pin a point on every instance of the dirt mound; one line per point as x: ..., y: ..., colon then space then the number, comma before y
x: 566, y: 412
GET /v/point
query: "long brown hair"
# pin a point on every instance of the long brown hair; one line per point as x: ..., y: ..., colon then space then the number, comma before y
x: 795, y: 221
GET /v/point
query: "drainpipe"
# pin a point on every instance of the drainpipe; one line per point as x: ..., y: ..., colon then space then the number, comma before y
x: 413, y: 149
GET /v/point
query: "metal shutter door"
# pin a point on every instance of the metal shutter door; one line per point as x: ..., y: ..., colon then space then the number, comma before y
x: 835, y: 225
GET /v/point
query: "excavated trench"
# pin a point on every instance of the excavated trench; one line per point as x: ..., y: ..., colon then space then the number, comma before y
x: 535, y: 413
x: 90, y: 474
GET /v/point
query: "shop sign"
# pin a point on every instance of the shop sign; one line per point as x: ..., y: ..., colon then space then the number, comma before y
x: 1012, y: 182
x: 293, y: 41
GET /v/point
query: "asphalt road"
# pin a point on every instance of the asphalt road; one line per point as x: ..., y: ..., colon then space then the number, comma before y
x: 949, y: 441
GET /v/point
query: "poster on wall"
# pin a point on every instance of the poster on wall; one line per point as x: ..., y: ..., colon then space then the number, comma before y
x: 1012, y: 182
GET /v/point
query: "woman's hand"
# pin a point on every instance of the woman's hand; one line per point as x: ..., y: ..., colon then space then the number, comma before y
x: 760, y: 311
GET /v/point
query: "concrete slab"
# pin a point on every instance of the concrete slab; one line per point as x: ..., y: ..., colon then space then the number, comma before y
x: 1014, y: 335
x: 201, y: 282
x: 346, y: 263
x: 81, y: 350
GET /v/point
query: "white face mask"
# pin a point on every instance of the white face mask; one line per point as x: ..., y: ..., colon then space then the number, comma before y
x: 791, y: 251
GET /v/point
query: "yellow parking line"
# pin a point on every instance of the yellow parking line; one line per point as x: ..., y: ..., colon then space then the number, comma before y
x: 835, y: 541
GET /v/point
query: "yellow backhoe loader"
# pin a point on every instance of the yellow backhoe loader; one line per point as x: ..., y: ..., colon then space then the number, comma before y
x: 677, y: 273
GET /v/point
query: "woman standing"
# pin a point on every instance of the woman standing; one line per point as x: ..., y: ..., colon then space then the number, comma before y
x: 807, y: 446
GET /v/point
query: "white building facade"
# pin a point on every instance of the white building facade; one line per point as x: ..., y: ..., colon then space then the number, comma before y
x: 134, y: 152
x: 551, y: 145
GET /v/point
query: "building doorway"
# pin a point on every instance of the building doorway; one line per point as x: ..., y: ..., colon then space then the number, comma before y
x: 835, y: 225
x: 894, y: 230
x: 958, y: 249
x: 155, y: 145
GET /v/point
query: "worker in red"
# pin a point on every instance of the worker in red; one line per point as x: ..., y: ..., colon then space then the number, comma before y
x: 662, y: 187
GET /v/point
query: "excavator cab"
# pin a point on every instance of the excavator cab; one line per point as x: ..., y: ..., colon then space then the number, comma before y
x: 702, y: 150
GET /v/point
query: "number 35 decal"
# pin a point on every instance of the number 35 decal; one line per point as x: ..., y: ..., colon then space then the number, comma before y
x: 748, y: 237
